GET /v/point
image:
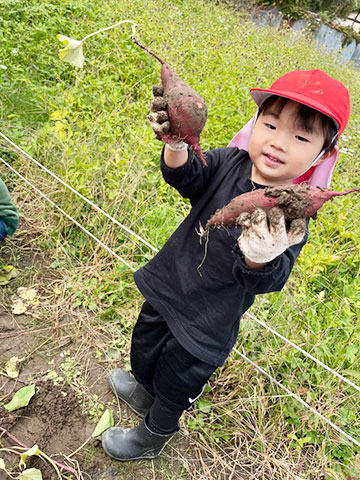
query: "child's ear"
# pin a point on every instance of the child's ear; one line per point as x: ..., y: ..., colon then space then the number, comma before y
x: 327, y: 155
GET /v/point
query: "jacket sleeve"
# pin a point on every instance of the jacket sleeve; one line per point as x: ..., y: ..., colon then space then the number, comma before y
x: 271, y: 278
x: 192, y: 178
x: 3, y: 233
x: 8, y: 212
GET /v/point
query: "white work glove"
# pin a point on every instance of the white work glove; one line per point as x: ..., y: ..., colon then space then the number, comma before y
x: 265, y: 238
x: 159, y: 121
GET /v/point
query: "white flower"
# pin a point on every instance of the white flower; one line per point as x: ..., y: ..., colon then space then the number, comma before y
x: 73, y: 52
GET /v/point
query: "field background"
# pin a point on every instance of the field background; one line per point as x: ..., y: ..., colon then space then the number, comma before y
x: 89, y: 127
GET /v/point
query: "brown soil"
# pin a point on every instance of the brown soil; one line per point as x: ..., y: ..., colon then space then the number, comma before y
x: 54, y: 419
x: 59, y: 417
x: 292, y: 201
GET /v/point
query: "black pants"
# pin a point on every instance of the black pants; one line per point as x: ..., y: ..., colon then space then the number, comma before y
x: 167, y: 371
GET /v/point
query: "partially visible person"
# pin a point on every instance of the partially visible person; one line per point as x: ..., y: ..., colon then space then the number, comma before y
x: 9, y: 217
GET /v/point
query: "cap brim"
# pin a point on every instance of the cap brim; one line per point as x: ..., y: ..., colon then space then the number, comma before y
x: 259, y: 95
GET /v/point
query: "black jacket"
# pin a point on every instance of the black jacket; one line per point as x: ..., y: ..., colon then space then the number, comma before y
x: 203, y: 309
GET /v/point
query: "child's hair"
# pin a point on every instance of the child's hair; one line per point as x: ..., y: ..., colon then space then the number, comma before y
x: 306, y: 117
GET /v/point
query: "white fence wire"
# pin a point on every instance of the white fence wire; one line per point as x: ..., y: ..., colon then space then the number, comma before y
x: 68, y: 216
x: 299, y: 399
x: 305, y: 353
x: 93, y: 205
x: 109, y: 250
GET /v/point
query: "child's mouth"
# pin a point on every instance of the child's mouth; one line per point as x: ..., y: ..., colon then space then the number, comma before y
x: 272, y: 159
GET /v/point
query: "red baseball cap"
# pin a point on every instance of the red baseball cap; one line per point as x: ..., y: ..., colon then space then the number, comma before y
x: 313, y: 88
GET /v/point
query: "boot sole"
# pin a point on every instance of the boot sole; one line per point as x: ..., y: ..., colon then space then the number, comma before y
x: 147, y: 457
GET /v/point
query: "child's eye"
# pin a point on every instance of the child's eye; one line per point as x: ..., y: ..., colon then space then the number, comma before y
x: 269, y: 125
x: 302, y: 139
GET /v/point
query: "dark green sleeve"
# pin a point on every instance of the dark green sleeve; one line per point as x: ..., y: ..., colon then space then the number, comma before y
x: 8, y: 212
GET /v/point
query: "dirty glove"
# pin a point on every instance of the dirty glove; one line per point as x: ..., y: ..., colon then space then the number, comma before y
x: 265, y: 238
x: 159, y: 121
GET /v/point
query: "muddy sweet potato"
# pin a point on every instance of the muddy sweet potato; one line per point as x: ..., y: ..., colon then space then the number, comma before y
x: 186, y: 109
x: 296, y: 201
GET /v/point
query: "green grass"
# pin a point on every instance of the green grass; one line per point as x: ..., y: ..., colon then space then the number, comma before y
x: 90, y: 128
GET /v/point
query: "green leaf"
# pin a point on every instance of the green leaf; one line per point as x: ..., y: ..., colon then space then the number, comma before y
x: 21, y: 398
x: 106, y: 421
x: 29, y: 453
x: 12, y: 367
x: 73, y: 52
x: 351, y: 353
x: 31, y: 474
x: 7, y: 273
x: 203, y: 405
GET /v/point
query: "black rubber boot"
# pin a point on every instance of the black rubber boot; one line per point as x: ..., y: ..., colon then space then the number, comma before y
x: 124, y: 385
x: 137, y: 443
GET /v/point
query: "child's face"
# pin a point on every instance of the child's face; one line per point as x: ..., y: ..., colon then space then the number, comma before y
x: 279, y: 149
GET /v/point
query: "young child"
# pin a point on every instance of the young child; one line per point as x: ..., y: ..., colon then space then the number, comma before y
x: 190, y: 321
x: 9, y: 217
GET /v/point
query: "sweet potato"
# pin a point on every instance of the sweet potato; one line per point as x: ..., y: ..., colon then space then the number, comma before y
x: 296, y: 201
x: 186, y: 109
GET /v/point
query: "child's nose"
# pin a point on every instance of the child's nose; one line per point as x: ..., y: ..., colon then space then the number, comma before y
x: 279, y: 140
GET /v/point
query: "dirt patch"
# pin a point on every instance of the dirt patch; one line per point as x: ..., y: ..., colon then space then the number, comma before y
x: 54, y: 418
x: 53, y: 406
x: 57, y: 418
x: 61, y: 416
x: 64, y: 355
